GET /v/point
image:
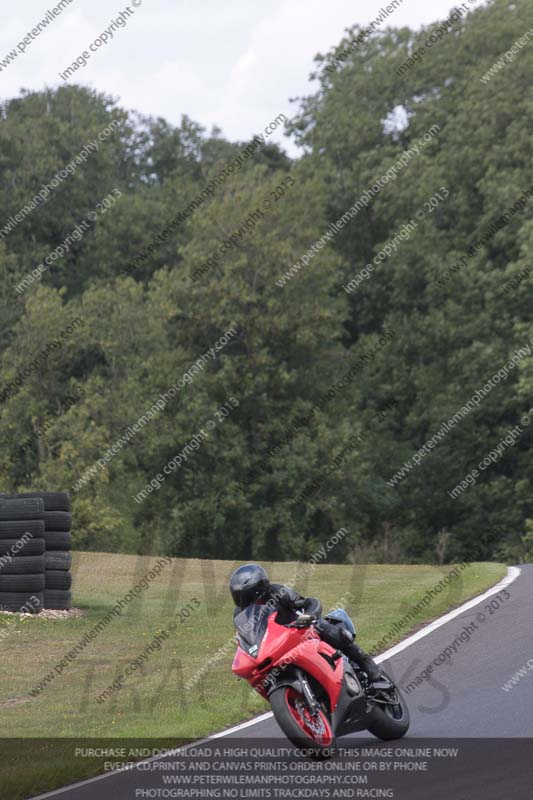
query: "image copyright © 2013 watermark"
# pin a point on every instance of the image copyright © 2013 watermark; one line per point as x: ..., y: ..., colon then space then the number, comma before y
x: 75, y: 235
x: 487, y: 611
x: 45, y: 192
x: 403, y: 234
x: 508, y: 441
x: 192, y: 445
x: 119, y: 22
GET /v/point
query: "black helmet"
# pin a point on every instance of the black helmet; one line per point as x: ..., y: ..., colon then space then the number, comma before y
x: 248, y: 584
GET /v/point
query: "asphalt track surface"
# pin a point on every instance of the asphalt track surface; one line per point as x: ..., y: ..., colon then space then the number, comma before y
x: 461, y: 704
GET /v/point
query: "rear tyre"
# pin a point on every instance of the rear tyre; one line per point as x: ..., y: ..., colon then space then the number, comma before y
x: 56, y: 599
x: 389, y: 720
x: 314, y: 734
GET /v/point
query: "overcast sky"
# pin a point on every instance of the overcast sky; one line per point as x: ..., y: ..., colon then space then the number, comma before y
x: 234, y: 63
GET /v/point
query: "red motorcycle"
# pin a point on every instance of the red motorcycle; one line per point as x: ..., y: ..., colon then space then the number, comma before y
x: 315, y: 692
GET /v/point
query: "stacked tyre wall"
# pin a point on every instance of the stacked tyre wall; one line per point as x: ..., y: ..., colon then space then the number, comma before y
x: 41, y: 542
x: 22, y: 547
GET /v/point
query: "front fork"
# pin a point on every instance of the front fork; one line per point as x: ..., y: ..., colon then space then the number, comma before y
x: 310, y: 700
x: 299, y: 681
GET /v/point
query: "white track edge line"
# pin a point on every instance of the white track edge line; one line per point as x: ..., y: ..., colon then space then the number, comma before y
x: 512, y: 575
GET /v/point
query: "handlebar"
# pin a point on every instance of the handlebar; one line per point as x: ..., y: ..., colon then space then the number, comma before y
x: 305, y: 621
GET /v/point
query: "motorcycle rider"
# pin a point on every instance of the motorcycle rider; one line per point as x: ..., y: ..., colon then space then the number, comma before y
x: 250, y: 584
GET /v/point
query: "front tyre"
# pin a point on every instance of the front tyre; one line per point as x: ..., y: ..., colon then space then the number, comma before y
x: 312, y: 733
x: 390, y: 716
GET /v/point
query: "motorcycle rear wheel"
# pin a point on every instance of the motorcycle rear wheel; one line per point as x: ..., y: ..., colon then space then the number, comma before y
x: 390, y: 720
x: 314, y: 734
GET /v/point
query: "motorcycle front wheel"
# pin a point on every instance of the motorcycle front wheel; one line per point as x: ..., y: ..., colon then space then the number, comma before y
x: 310, y: 732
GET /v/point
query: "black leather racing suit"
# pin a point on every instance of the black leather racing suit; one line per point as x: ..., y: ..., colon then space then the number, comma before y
x: 287, y: 601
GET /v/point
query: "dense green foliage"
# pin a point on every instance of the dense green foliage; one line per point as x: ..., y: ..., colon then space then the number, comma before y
x: 430, y: 325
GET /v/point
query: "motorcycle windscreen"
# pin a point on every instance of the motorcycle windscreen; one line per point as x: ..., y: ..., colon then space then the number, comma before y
x: 251, y: 624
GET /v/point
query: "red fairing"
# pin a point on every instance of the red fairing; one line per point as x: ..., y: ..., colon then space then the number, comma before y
x: 243, y: 664
x: 283, y: 646
x: 310, y: 660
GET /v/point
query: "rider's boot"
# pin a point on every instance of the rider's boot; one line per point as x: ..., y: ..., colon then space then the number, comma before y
x: 338, y: 636
x: 365, y: 662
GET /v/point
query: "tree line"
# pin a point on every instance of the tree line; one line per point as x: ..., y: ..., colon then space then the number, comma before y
x: 191, y: 247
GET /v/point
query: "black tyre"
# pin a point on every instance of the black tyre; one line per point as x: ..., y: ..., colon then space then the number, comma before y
x: 21, y: 509
x: 22, y: 565
x: 16, y: 529
x: 56, y: 599
x: 58, y: 579
x: 31, y: 547
x: 57, y: 520
x: 314, y: 734
x: 57, y: 559
x: 58, y: 540
x: 22, y: 583
x: 30, y: 603
x: 53, y: 501
x: 389, y: 720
